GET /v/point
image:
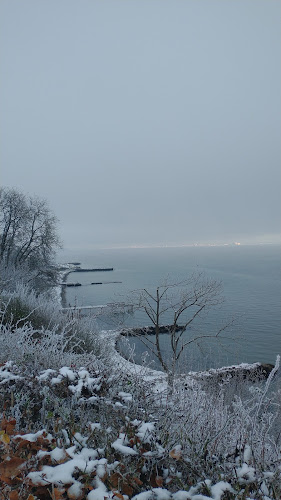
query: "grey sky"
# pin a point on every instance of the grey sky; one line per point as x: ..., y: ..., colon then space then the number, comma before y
x: 145, y: 121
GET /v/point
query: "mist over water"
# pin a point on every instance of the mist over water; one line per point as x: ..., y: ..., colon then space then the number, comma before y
x: 250, y: 276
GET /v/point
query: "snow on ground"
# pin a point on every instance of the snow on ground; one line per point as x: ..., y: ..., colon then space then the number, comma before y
x: 66, y: 463
x: 157, y: 380
x: 6, y: 374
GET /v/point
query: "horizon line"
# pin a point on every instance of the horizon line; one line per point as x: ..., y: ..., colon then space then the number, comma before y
x: 185, y: 245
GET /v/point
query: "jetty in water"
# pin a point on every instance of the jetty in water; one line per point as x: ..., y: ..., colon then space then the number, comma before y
x: 83, y: 270
x: 71, y: 284
x: 113, y: 308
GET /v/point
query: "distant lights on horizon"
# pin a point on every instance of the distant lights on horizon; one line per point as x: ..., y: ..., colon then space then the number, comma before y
x: 183, y: 245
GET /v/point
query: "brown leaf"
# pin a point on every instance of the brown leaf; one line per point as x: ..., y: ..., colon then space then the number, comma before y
x: 137, y: 480
x: 159, y: 481
x: 58, y: 494
x: 8, y: 425
x: 118, y: 495
x: 13, y: 495
x: 114, y: 479
x: 6, y: 480
x: 127, y: 489
x: 10, y: 468
x: 45, y: 460
x: 3, y: 423
x: 153, y: 480
x: 41, y: 492
x: 176, y: 453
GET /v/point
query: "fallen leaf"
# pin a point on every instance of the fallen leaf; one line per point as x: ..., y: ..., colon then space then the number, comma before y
x: 13, y: 495
x: 127, y: 489
x: 118, y: 495
x: 4, y: 437
x: 6, y: 480
x: 176, y: 453
x: 8, y: 425
x: 10, y: 468
x: 159, y: 481
x: 58, y: 494
x: 137, y: 481
x: 114, y: 479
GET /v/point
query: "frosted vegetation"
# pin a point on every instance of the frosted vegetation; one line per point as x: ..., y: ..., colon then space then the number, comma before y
x: 78, y: 421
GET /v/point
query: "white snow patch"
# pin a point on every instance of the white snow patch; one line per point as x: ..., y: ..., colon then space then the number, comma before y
x: 66, y: 438
x: 71, y: 451
x: 6, y: 375
x: 95, y: 426
x: 57, y: 454
x: 33, y: 437
x: 56, y: 380
x: 145, y: 431
x: 246, y: 474
x: 82, y: 440
x: 247, y: 453
x: 218, y: 489
x: 63, y: 473
x: 100, y: 493
x: 161, y: 494
x: 181, y: 495
x: 67, y: 372
x: 200, y: 497
x: 75, y: 491
x: 120, y: 445
x: 126, y: 396
x: 101, y: 468
x: 145, y: 495
x: 45, y: 374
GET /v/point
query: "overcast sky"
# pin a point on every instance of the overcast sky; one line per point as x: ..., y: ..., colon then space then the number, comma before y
x: 145, y: 121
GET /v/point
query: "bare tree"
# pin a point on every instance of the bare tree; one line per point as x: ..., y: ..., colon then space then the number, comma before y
x: 181, y: 304
x: 28, y: 232
x: 13, y: 213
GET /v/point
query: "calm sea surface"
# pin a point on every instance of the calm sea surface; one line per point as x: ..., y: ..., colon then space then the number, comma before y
x: 251, y: 280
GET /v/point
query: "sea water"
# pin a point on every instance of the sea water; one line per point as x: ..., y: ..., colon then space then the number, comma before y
x: 250, y: 276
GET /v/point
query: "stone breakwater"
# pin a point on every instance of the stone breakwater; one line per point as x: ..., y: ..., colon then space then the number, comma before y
x: 148, y: 330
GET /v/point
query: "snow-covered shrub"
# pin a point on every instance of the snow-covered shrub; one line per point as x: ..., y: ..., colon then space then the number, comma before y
x: 96, y: 430
x: 235, y: 439
x: 40, y: 277
x: 34, y: 328
x: 25, y: 305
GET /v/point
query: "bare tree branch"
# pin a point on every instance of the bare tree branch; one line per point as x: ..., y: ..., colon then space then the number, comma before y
x: 184, y: 302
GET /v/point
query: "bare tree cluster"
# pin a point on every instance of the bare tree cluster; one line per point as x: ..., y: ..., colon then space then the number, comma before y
x: 28, y: 232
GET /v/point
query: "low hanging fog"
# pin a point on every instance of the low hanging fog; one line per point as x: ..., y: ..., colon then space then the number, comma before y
x: 145, y: 122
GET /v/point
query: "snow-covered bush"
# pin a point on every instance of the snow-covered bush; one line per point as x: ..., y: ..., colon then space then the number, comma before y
x: 80, y: 433
x: 34, y: 330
